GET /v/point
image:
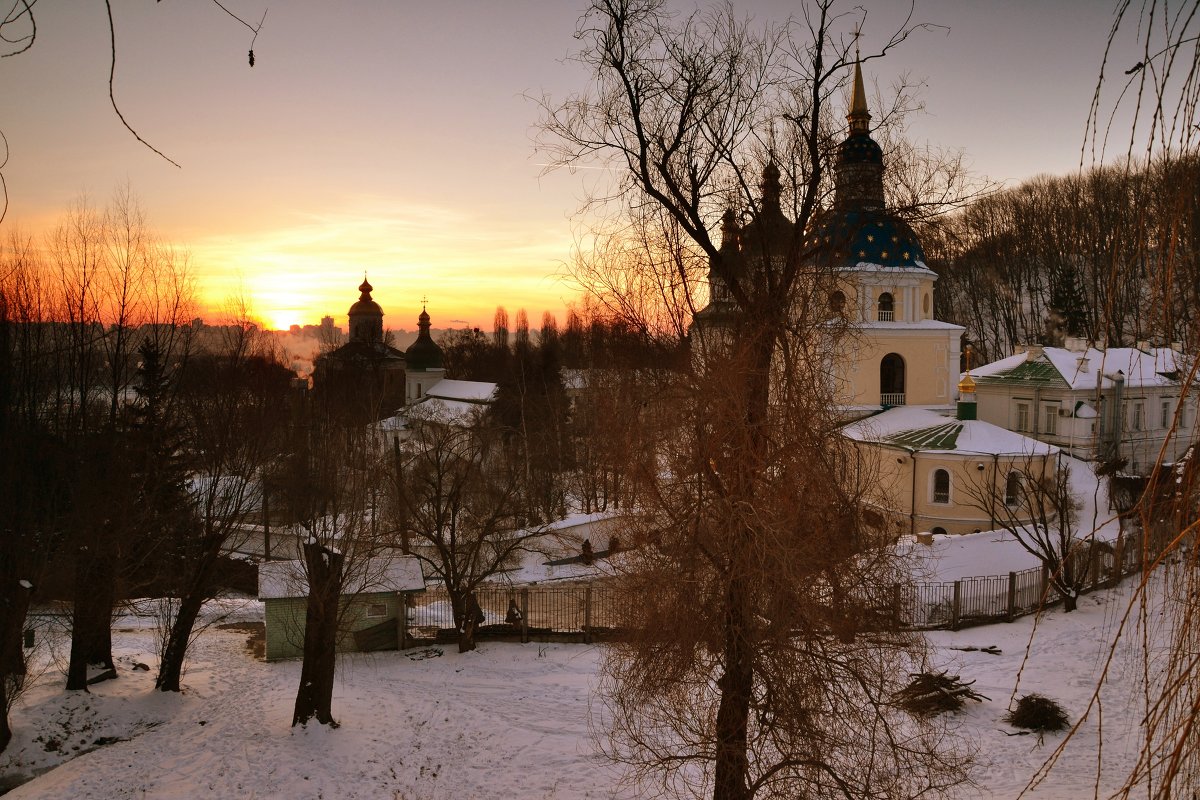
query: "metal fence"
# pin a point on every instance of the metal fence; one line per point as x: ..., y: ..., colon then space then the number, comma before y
x: 528, y: 612
x: 988, y: 598
x: 586, y: 612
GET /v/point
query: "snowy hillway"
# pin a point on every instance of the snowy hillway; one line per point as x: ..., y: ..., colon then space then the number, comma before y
x: 506, y: 721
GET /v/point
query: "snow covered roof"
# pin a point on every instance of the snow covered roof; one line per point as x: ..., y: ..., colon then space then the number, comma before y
x: 924, y: 324
x: 1082, y: 370
x: 279, y: 579
x: 920, y: 430
x: 465, y: 391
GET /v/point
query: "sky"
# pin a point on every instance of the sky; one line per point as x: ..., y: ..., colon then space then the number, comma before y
x: 397, y: 138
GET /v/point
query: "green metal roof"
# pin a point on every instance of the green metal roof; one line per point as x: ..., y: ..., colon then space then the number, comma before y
x: 938, y: 437
x: 1041, y: 372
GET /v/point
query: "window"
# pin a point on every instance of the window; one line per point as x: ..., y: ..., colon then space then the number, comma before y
x: 1166, y: 414
x: 891, y: 380
x: 941, y: 486
x: 1023, y: 416
x: 1139, y: 416
x: 1050, y: 418
x: 377, y: 609
x: 418, y: 390
x: 887, y: 307
x: 1012, y: 490
x: 837, y: 302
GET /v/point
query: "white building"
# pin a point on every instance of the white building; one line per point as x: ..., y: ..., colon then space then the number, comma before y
x: 1121, y: 403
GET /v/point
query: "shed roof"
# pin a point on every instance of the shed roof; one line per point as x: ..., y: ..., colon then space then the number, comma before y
x: 1087, y: 369
x: 279, y: 579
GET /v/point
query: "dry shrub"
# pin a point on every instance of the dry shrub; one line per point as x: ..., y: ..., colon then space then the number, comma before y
x: 1036, y: 712
x: 931, y: 693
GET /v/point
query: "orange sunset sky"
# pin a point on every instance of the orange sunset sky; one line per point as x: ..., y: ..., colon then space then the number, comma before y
x: 396, y: 137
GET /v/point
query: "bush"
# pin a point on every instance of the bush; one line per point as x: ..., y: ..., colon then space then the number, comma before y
x: 931, y: 693
x: 1037, y: 713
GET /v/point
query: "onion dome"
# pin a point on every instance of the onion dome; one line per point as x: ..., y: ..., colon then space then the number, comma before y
x: 868, y: 238
x: 423, y: 354
x: 365, y: 304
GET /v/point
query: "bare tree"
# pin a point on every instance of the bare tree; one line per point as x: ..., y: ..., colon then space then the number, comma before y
x: 1035, y: 504
x: 461, y: 507
x: 232, y: 427
x: 753, y: 648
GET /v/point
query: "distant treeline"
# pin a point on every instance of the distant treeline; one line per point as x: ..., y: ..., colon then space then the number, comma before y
x: 1109, y: 255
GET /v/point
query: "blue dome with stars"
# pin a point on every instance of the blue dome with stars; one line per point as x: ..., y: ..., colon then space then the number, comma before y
x: 876, y: 238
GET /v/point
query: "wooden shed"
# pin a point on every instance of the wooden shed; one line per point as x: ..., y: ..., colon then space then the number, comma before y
x: 372, y: 612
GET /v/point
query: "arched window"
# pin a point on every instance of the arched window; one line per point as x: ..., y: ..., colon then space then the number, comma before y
x: 891, y: 380
x: 926, y: 304
x: 1012, y: 490
x: 941, y: 486
x: 887, y: 307
x: 837, y: 302
x: 938, y: 531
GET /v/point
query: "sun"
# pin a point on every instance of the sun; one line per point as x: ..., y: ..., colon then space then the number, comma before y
x: 281, y: 319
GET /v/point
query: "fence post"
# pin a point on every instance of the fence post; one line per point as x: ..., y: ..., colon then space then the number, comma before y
x: 1094, y: 566
x: 1045, y: 584
x: 587, y: 615
x: 525, y: 615
x: 1012, y: 597
x: 1118, y: 568
x: 403, y: 632
x: 956, y: 607
x: 895, y: 605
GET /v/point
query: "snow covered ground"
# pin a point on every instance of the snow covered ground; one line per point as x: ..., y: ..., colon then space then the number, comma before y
x: 512, y: 720
x: 507, y: 720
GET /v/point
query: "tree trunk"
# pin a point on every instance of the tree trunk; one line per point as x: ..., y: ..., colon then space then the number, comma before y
x: 472, y: 616
x: 314, y: 698
x: 170, y: 669
x: 14, y: 606
x: 733, y: 713
x: 91, y: 618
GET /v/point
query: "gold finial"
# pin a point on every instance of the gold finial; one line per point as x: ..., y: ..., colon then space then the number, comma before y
x: 967, y: 384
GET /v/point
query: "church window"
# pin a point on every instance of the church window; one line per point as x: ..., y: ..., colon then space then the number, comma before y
x: 887, y: 307
x: 891, y: 380
x: 837, y: 302
x: 1012, y: 490
x: 941, y: 486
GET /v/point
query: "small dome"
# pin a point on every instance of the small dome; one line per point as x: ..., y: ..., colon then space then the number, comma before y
x: 365, y: 307
x: 423, y: 354
x: 860, y: 149
x: 966, y: 385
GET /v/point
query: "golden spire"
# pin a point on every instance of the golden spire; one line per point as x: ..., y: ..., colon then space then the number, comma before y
x: 859, y: 117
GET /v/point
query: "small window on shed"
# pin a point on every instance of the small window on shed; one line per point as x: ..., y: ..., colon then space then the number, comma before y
x: 1012, y: 490
x: 377, y: 609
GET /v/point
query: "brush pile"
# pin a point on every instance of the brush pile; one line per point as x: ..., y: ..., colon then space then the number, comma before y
x: 931, y: 693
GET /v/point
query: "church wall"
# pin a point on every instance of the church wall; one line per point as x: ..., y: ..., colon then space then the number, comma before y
x: 929, y: 358
x: 972, y: 490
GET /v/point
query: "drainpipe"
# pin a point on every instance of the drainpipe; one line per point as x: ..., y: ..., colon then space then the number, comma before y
x: 995, y: 476
x: 912, y: 501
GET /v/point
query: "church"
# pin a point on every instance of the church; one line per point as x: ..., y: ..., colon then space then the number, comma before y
x: 894, y: 375
x: 367, y: 379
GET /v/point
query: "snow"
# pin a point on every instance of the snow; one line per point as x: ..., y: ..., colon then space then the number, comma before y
x: 278, y: 579
x: 513, y: 720
x: 1140, y: 368
x: 467, y: 391
x: 507, y: 720
x: 975, y: 437
x: 25, y: 584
